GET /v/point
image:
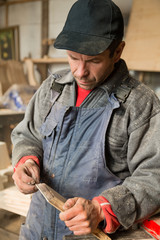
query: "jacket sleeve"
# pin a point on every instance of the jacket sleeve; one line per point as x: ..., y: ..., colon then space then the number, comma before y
x: 139, y: 195
x: 26, y: 137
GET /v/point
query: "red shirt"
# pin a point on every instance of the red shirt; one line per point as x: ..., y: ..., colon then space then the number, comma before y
x: 81, y: 95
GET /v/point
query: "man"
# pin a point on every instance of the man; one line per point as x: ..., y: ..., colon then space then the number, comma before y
x: 92, y: 133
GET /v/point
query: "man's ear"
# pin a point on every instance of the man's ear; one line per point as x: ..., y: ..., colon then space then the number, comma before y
x: 118, y: 51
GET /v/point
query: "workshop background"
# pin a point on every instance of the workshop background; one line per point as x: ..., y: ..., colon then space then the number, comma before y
x: 27, y: 56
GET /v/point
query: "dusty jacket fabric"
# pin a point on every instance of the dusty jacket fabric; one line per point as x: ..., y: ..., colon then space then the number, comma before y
x: 132, y: 140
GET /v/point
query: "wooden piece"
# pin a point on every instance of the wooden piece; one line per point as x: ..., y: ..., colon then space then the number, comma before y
x: 4, y: 156
x: 56, y: 200
x: 44, y: 26
x: 70, y: 237
x: 84, y: 237
x: 30, y: 72
x: 44, y: 35
x: 136, y: 234
x: 14, y: 201
x: 3, y: 73
x: 142, y: 50
x: 6, y: 15
x: 1, y: 90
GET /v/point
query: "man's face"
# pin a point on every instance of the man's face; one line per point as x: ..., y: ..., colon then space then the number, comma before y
x: 90, y: 71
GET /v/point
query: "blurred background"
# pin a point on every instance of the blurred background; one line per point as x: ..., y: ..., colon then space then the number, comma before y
x: 27, y: 56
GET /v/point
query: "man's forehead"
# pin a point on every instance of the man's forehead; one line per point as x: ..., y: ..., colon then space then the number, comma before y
x: 79, y: 55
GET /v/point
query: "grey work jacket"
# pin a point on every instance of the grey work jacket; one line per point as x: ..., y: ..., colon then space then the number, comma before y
x: 132, y: 141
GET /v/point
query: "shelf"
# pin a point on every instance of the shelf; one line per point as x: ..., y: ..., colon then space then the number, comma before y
x: 48, y: 60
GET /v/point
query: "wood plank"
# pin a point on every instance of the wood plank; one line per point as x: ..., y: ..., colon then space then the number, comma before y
x: 14, y: 201
x: 69, y: 237
x: 137, y: 234
x: 44, y: 27
x: 85, y: 237
x: 5, y: 160
x: 4, y: 79
x: 142, y: 50
x: 30, y: 72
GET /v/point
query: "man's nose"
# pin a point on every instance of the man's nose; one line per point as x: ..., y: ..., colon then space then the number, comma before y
x: 82, y: 70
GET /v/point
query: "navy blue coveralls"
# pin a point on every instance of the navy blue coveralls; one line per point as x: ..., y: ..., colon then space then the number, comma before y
x: 74, y: 152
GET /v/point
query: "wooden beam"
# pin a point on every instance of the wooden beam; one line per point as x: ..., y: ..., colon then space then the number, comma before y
x: 30, y: 72
x: 44, y: 33
x: 44, y: 27
x: 6, y: 15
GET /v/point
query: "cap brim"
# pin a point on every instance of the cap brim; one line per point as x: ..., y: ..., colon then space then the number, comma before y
x: 82, y: 43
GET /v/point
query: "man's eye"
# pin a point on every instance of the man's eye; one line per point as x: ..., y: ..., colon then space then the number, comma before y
x: 96, y: 61
x: 73, y: 58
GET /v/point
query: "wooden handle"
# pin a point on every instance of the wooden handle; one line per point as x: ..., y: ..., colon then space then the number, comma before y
x: 56, y: 200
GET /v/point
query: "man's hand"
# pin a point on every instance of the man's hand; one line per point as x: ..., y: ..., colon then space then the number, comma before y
x: 81, y: 216
x: 26, y: 176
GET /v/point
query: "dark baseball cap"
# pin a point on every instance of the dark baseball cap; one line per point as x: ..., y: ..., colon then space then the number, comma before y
x: 91, y: 26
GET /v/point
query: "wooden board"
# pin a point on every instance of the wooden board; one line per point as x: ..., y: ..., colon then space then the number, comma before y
x: 87, y: 237
x: 14, y: 201
x: 137, y: 234
x: 4, y: 156
x: 142, y: 50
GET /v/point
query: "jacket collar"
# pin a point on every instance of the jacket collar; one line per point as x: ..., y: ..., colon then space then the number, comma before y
x: 117, y: 77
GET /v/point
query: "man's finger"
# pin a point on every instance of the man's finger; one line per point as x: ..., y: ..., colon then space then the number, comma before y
x: 24, y: 187
x: 70, y: 203
x: 33, y: 171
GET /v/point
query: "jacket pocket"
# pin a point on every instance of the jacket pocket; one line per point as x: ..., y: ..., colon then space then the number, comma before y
x: 48, y: 131
x: 117, y: 147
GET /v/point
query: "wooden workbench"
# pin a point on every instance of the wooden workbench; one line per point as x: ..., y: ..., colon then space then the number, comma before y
x: 137, y: 234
